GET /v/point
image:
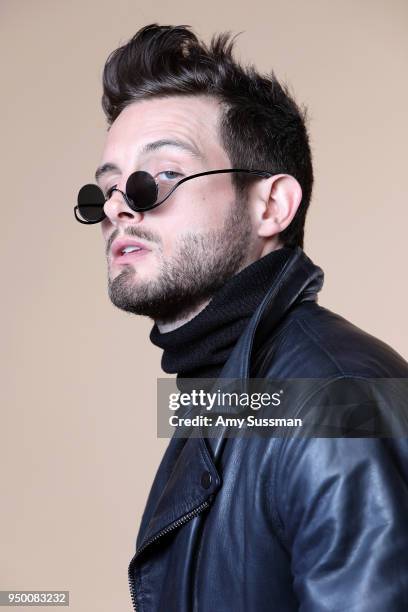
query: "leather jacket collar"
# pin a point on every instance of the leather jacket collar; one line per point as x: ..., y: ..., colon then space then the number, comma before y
x: 299, y: 280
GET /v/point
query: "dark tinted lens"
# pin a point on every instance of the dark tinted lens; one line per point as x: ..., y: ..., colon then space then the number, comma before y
x: 90, y: 203
x: 141, y: 189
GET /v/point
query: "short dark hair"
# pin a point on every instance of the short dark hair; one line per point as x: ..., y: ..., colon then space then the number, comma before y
x: 261, y: 127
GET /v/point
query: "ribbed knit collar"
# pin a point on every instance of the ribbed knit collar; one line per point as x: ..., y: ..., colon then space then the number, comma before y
x: 200, y: 347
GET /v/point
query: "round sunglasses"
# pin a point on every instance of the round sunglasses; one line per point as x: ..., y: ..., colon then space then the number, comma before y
x: 143, y: 192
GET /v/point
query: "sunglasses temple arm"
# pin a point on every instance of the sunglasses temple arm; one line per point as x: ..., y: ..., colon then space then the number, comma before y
x: 261, y: 173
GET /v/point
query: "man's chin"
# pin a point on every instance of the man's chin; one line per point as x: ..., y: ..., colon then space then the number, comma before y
x: 125, y: 293
x: 147, y: 299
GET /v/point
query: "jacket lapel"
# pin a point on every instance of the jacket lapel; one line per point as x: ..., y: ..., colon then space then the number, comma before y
x: 192, y: 482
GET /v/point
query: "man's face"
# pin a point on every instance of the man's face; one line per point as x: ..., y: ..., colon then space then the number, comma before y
x: 194, y: 241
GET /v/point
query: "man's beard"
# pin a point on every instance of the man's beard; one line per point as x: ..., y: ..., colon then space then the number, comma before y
x: 201, y: 265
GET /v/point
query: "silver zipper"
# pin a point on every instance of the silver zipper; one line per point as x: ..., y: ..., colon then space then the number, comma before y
x: 175, y: 525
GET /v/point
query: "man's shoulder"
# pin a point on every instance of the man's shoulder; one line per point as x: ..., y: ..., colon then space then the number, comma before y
x: 313, y: 341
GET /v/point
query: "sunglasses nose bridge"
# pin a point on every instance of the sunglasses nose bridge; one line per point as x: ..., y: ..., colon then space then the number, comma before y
x: 119, y: 207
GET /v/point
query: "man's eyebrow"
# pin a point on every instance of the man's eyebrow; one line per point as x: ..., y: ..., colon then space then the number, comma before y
x: 171, y: 142
x: 148, y: 148
x: 104, y: 169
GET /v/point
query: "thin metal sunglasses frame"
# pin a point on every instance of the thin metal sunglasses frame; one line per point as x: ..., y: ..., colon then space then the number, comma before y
x: 134, y: 207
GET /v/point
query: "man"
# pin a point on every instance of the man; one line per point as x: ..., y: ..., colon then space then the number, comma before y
x: 246, y: 523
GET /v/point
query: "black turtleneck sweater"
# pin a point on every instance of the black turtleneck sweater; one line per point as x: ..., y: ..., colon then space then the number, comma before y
x: 200, y: 347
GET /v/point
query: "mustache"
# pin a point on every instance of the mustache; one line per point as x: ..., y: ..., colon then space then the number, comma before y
x: 134, y: 232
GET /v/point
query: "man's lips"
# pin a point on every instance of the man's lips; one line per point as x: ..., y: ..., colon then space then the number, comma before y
x: 125, y: 250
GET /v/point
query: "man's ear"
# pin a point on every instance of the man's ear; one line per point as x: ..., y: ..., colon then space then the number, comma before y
x: 278, y: 202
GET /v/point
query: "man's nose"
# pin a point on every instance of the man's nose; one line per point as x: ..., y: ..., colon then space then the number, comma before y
x: 118, y: 211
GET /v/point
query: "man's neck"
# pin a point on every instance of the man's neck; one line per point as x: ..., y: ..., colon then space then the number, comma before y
x: 168, y: 326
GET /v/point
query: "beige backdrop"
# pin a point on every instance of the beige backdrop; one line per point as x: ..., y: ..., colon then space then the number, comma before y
x: 79, y: 448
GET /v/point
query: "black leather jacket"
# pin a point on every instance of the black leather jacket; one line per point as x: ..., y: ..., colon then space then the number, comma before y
x: 282, y: 523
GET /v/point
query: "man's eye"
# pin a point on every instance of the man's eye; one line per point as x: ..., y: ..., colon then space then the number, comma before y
x: 169, y: 175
